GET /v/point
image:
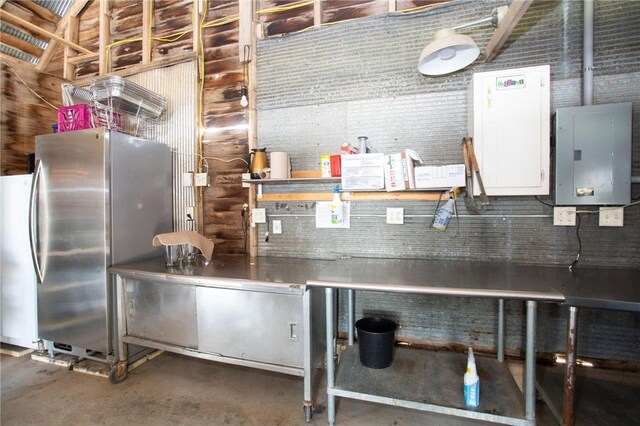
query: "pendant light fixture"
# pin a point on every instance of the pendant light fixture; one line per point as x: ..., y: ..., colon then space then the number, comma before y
x: 244, y: 91
x: 450, y: 51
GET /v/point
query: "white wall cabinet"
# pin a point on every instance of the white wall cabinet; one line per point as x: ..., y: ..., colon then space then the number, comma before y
x: 509, y: 121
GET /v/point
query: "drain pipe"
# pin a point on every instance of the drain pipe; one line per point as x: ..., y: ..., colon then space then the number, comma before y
x: 587, y: 78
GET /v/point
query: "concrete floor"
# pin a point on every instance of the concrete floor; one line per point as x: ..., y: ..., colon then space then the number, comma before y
x: 173, y: 389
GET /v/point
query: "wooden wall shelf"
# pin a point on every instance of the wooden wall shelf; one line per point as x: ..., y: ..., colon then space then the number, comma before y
x: 313, y: 177
x: 355, y: 196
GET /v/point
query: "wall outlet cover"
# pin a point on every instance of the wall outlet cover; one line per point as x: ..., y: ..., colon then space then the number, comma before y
x: 611, y: 216
x: 395, y: 216
x: 564, y: 216
x: 277, y: 226
x: 201, y: 179
x: 258, y: 216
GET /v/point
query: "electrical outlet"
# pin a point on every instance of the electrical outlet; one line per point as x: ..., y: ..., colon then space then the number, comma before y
x: 564, y: 216
x: 259, y: 216
x: 611, y: 216
x: 190, y: 212
x: 395, y: 216
x: 246, y: 176
x: 187, y: 179
x: 202, y: 179
x: 277, y: 226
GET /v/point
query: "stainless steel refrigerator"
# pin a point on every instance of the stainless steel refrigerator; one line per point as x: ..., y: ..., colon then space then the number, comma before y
x: 98, y: 198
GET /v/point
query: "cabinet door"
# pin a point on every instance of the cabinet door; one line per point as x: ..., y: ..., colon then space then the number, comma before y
x: 162, y: 312
x: 511, y: 130
x: 251, y: 325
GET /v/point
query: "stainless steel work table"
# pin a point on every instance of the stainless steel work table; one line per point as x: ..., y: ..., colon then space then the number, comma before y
x: 598, y: 288
x: 254, y: 312
x: 499, y: 401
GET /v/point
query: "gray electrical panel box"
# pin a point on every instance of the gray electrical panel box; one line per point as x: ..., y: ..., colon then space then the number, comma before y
x: 593, y: 155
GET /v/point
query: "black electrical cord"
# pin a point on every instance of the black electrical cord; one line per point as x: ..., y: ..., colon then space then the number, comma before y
x: 575, y: 262
x: 544, y: 202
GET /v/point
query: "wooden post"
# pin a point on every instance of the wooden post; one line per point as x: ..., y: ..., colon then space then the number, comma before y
x: 105, y: 36
x: 247, y: 37
x: 317, y: 13
x: 71, y: 34
x: 147, y: 30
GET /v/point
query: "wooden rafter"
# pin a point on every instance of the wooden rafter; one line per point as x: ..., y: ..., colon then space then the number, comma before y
x: 20, y: 44
x: 17, y: 9
x: 8, y: 17
x: 74, y: 10
x: 40, y: 11
x: 514, y: 14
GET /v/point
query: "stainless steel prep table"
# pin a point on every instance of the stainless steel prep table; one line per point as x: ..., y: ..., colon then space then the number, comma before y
x: 253, y: 312
x: 458, y: 279
x: 598, y: 288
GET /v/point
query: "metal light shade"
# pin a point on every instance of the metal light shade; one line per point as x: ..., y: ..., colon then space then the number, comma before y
x: 448, y: 52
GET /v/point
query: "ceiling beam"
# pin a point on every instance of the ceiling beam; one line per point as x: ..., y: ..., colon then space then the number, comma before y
x: 77, y: 7
x: 5, y: 16
x: 20, y: 44
x: 40, y: 11
x: 74, y: 10
x: 16, y: 9
x: 511, y: 18
x: 45, y: 58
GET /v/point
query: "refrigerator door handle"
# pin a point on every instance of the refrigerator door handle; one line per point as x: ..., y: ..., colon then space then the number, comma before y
x: 32, y: 220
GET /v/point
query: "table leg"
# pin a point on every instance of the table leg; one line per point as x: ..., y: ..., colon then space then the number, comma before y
x: 351, y: 315
x: 500, y: 330
x: 331, y: 407
x: 530, y: 362
x: 570, y: 368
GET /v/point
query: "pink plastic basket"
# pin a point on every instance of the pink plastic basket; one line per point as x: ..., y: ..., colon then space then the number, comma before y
x: 74, y: 117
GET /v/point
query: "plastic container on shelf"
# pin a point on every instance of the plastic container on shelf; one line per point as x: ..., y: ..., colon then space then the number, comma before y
x: 125, y: 96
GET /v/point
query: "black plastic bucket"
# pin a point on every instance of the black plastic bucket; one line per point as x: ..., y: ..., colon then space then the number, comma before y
x: 375, y: 339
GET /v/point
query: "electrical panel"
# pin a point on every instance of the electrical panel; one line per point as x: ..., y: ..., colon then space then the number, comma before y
x: 593, y: 155
x: 511, y: 130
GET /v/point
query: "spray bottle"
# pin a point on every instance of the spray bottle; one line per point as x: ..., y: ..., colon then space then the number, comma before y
x: 337, y: 213
x: 471, y: 383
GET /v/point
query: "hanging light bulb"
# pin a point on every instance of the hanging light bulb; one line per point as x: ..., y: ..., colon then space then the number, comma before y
x: 244, y: 92
x: 244, y: 101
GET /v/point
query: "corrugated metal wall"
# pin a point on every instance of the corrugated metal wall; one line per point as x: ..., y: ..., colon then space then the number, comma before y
x: 179, y: 85
x: 320, y: 88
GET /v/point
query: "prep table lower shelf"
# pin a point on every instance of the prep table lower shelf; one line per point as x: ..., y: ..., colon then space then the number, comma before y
x: 431, y: 381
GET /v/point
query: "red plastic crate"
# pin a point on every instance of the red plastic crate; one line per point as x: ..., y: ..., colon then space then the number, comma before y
x: 74, y: 117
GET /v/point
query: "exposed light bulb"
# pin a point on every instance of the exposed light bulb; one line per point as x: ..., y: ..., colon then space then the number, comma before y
x: 243, y: 99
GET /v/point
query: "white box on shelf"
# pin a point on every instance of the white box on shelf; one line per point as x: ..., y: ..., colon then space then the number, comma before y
x: 442, y: 177
x: 362, y: 172
x: 398, y: 171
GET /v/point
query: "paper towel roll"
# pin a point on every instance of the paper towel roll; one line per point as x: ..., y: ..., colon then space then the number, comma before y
x: 280, y: 165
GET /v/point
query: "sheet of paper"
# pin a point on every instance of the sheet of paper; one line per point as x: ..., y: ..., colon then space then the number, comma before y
x: 323, y: 215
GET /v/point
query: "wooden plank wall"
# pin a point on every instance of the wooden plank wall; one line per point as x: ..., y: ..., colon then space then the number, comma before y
x: 23, y: 114
x: 226, y: 137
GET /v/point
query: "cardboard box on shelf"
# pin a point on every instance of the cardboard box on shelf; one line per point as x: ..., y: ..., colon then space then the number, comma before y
x: 362, y: 172
x: 442, y: 177
x: 398, y: 170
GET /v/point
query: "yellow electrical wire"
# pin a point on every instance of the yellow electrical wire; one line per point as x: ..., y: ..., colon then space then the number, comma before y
x: 277, y: 9
x: 27, y: 86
